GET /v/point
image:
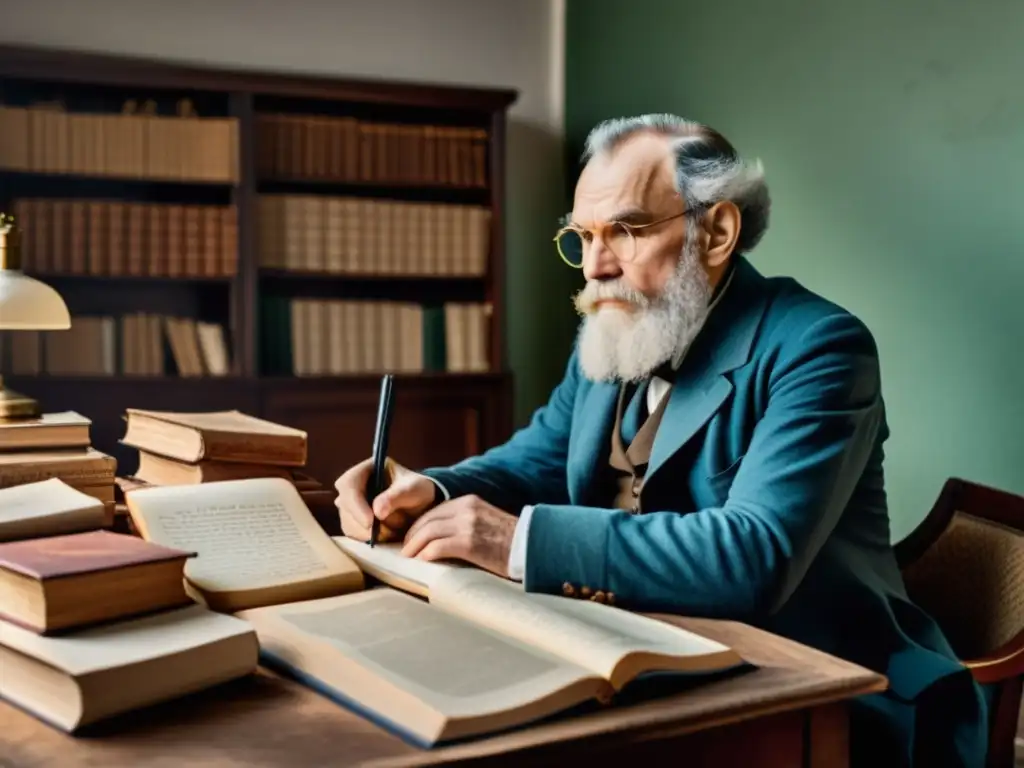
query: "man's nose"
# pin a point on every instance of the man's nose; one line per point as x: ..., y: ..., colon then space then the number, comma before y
x: 599, y: 263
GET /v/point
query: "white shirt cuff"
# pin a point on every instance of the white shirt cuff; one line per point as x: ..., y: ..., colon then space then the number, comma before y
x: 439, y: 484
x: 517, y: 554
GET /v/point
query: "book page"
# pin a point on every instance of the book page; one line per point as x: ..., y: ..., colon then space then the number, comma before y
x: 130, y: 641
x: 221, y: 421
x: 455, y: 666
x: 47, y: 508
x: 596, y: 635
x: 249, y: 534
x: 386, y: 563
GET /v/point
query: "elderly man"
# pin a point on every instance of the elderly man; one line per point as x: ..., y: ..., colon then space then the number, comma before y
x: 714, y: 448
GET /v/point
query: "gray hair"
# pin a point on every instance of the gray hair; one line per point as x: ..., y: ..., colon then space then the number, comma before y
x: 708, y: 168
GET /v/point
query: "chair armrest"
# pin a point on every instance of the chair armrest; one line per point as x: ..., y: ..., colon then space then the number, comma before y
x: 1004, y: 663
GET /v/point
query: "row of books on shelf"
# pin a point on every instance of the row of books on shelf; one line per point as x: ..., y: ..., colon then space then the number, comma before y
x: 137, y: 143
x: 301, y: 337
x: 364, y: 236
x: 142, y: 144
x: 212, y: 574
x: 340, y: 235
x: 136, y: 344
x: 347, y: 149
x: 115, y: 238
x: 324, y: 337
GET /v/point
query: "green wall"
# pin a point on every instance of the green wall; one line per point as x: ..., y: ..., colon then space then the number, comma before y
x: 540, y: 323
x: 892, y: 134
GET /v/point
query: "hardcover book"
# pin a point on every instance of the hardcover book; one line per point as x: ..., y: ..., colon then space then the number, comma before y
x: 441, y: 652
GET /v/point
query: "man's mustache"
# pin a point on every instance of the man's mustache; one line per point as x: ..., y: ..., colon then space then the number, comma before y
x: 596, y: 291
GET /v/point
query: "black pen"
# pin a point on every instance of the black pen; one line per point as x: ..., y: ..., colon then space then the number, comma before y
x: 380, y: 450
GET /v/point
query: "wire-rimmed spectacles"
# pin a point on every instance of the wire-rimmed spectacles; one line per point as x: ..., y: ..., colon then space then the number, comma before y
x: 619, y: 237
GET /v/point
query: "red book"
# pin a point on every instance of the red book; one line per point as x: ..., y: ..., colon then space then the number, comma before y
x: 59, y: 583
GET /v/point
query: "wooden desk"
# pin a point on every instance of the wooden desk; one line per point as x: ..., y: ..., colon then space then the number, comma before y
x: 791, y: 711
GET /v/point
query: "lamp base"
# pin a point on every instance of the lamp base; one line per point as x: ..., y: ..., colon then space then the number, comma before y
x: 16, y: 406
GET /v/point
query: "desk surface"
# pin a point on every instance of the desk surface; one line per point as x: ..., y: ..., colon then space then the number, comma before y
x: 265, y: 720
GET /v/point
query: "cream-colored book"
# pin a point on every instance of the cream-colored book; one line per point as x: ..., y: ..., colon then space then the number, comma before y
x: 300, y: 332
x: 66, y: 429
x: 355, y: 353
x: 336, y: 338
x: 317, y: 345
x: 456, y: 328
x: 477, y: 655
x: 334, y: 235
x: 256, y: 540
x: 78, y: 679
x: 47, y: 508
x: 210, y: 337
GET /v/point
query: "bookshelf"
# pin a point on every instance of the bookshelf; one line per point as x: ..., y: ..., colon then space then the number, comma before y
x: 261, y: 241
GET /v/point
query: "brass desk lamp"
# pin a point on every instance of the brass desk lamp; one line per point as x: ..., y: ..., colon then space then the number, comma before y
x: 26, y: 304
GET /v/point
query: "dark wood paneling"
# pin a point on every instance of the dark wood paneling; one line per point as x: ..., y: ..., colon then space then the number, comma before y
x: 104, y: 400
x: 435, y: 422
x: 496, y: 257
x: 438, y: 419
x: 244, y: 323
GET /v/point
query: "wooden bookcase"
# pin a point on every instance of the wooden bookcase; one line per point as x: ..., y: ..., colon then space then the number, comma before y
x: 328, y: 230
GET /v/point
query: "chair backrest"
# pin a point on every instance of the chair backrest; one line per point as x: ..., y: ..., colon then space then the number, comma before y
x: 965, y: 566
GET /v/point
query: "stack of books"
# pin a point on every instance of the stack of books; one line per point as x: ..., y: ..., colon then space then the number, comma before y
x: 56, y: 445
x: 96, y: 623
x: 214, y: 446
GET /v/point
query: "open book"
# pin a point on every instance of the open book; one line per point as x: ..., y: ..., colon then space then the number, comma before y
x: 477, y: 656
x: 258, y: 543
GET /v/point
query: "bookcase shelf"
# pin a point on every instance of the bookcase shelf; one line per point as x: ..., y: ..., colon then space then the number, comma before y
x: 260, y: 241
x: 426, y: 289
x: 126, y: 281
x: 406, y: 192
x: 113, y: 182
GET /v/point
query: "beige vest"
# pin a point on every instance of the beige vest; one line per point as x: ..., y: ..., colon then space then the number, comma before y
x: 631, y: 463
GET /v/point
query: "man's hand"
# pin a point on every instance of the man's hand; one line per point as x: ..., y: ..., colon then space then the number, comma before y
x: 406, y: 496
x: 466, y: 528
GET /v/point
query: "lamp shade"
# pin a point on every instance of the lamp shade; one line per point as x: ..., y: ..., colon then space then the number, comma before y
x: 26, y: 304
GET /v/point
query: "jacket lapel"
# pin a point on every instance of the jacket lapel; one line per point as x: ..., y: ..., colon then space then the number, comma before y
x: 589, y: 444
x: 701, y: 384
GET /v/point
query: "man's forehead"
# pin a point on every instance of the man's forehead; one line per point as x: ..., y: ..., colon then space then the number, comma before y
x: 637, y: 175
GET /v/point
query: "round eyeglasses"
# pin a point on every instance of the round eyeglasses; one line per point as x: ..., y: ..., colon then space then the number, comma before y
x: 618, y: 237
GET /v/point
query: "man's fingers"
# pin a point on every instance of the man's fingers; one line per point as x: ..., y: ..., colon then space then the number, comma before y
x: 389, y: 501
x: 407, y: 493
x: 357, y: 475
x: 353, y: 530
x: 441, y: 511
x: 432, y: 529
x: 441, y: 549
x: 351, y: 488
x: 355, y: 506
x: 351, y: 527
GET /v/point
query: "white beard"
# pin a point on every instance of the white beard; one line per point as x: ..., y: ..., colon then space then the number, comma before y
x: 616, y: 344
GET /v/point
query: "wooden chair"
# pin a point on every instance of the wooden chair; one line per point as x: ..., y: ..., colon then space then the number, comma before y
x: 964, y: 564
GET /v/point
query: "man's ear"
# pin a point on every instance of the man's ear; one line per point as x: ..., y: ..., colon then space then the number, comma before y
x: 721, y: 232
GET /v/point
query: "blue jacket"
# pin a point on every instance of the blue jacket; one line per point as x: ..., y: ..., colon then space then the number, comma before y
x: 764, y: 502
